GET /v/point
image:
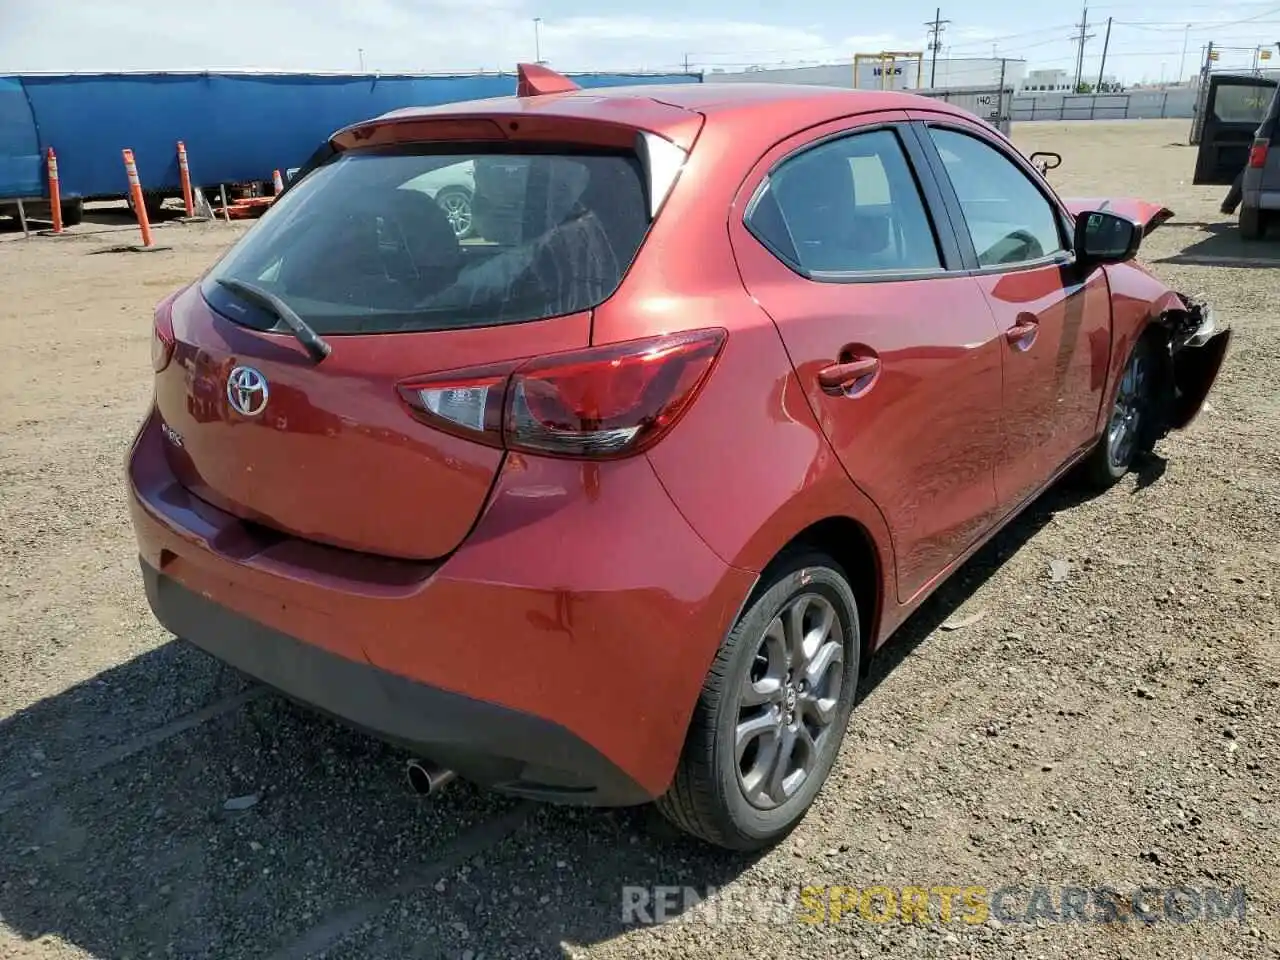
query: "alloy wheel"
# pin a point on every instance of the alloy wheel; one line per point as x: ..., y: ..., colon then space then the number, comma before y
x: 457, y: 207
x: 788, y: 700
x: 1123, y: 431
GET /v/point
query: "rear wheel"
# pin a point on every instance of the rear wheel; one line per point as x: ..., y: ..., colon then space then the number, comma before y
x: 773, y: 710
x: 1131, y: 426
x: 151, y: 202
x: 1253, y: 223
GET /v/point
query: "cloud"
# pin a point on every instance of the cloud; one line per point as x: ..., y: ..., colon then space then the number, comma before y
x: 392, y: 35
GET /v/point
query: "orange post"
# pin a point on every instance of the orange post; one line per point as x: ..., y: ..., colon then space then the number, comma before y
x: 135, y: 192
x: 55, y: 192
x: 184, y: 173
x: 277, y: 182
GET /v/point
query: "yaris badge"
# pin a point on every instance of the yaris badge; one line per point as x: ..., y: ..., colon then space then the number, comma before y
x: 247, y: 391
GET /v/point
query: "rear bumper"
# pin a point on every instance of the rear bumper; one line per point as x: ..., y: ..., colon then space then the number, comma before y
x: 1265, y: 200
x: 557, y: 654
x: 499, y: 747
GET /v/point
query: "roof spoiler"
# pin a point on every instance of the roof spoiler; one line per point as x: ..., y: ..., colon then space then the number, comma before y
x: 535, y: 80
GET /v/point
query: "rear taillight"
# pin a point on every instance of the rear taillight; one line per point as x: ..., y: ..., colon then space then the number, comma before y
x: 162, y: 338
x: 1258, y: 154
x: 602, y: 402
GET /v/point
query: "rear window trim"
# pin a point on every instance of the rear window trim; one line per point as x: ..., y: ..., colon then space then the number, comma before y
x: 272, y: 325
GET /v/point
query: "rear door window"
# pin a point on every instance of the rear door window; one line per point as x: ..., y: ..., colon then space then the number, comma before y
x: 849, y: 205
x: 418, y: 240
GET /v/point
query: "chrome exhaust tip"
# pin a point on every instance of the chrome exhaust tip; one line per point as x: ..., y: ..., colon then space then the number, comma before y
x: 426, y: 778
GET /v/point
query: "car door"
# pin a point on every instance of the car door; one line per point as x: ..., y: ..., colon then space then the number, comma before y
x: 843, y: 240
x: 1055, y: 322
x: 1234, y: 108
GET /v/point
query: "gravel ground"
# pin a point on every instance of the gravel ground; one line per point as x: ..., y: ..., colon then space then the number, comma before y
x: 1108, y: 720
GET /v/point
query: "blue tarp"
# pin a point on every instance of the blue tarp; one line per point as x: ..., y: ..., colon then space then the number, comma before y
x: 20, y: 172
x: 237, y: 127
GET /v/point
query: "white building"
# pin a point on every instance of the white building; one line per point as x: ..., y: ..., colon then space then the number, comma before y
x: 871, y: 72
x: 1047, y: 81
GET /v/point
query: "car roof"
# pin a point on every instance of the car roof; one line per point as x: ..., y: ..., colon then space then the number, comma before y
x: 761, y: 113
x: 719, y: 97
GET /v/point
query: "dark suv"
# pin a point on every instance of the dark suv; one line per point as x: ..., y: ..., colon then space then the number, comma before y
x: 1241, y: 139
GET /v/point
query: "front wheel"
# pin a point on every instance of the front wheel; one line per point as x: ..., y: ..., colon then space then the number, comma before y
x: 772, y: 712
x: 1131, y: 427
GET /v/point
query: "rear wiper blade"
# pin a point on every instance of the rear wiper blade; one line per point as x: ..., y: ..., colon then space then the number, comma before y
x: 265, y: 298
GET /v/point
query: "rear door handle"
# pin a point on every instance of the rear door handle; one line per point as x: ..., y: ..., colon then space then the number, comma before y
x: 841, y: 377
x: 1021, y: 330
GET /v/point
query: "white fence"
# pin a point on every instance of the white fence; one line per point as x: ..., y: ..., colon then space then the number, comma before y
x: 1177, y: 102
x: 989, y: 103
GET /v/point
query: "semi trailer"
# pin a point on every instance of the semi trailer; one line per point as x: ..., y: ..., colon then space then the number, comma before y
x: 238, y: 127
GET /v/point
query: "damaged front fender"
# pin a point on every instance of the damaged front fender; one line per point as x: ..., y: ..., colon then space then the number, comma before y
x: 1197, y: 347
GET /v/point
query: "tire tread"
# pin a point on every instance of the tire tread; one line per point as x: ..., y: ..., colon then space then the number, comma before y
x: 692, y: 802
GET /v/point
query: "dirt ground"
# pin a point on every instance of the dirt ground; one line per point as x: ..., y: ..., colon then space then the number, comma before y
x: 1113, y: 726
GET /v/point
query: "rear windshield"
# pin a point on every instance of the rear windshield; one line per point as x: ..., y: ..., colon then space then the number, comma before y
x: 417, y: 239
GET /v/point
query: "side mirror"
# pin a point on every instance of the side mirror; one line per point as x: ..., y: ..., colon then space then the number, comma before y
x: 1106, y: 238
x: 1046, y: 160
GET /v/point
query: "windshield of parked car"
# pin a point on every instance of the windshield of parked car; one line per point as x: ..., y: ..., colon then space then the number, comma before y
x: 381, y: 241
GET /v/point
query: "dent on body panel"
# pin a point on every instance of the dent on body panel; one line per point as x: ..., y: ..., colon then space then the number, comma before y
x: 922, y: 442
x: 947, y: 501
x: 1072, y: 371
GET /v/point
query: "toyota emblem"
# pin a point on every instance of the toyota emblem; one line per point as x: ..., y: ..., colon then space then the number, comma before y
x: 247, y: 391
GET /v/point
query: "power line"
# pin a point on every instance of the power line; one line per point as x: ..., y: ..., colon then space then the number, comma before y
x: 1159, y: 26
x: 982, y: 41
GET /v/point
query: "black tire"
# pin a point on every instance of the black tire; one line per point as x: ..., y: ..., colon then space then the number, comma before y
x: 1117, y: 452
x: 1252, y: 223
x: 72, y: 213
x: 707, y: 797
x: 153, y: 203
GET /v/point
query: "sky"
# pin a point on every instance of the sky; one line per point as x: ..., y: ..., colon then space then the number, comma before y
x: 1147, y: 40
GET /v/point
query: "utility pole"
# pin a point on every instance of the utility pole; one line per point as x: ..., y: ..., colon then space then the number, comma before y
x: 1079, y: 54
x: 1083, y: 25
x: 1182, y: 64
x: 537, y: 40
x: 936, y: 26
x: 686, y: 63
x: 1001, y: 117
x: 360, y: 53
x: 1103, y: 66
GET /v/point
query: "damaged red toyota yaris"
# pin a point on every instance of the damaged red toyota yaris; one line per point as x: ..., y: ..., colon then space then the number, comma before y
x: 609, y: 501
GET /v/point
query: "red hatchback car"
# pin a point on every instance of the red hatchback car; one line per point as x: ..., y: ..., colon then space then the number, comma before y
x: 609, y: 502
